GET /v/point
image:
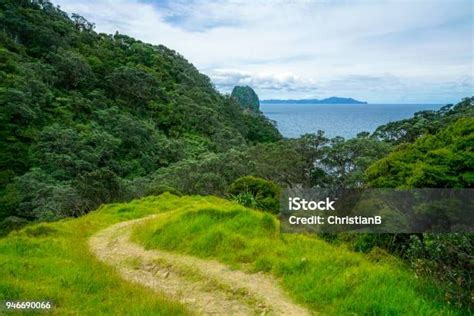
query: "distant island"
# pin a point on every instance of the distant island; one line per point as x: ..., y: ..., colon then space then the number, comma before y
x: 331, y: 100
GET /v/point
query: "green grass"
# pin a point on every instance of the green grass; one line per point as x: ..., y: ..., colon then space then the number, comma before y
x: 325, y: 278
x: 51, y: 261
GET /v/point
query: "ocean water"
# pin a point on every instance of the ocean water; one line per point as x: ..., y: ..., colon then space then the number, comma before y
x: 346, y: 120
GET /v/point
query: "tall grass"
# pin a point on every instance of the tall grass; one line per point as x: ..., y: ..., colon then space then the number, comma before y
x: 51, y: 261
x: 326, y: 278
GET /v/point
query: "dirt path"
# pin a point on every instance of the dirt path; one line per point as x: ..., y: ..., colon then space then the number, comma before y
x: 205, y: 286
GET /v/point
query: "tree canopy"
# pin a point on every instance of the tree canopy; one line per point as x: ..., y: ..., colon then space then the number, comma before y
x: 84, y: 114
x: 441, y: 160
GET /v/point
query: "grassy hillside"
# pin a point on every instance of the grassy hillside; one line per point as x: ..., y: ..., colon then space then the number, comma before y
x: 51, y: 261
x: 326, y: 278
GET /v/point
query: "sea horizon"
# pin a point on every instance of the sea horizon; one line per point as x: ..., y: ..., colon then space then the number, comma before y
x: 355, y: 104
x: 346, y: 120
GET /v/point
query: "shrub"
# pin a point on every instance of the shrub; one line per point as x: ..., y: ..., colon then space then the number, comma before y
x: 257, y: 193
x: 449, y: 258
x: 11, y: 223
x: 160, y: 189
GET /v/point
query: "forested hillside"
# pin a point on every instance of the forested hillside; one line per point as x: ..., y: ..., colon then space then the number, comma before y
x: 91, y: 118
x: 84, y: 115
x: 441, y: 160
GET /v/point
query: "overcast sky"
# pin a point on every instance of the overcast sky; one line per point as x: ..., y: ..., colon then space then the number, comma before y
x: 376, y: 51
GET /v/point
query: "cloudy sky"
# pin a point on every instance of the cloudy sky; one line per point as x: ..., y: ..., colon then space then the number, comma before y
x: 377, y: 51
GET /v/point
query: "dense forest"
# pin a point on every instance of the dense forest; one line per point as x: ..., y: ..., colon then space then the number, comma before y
x: 85, y: 115
x: 89, y: 118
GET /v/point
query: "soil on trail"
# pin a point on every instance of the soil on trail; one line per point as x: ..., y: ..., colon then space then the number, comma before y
x: 205, y: 286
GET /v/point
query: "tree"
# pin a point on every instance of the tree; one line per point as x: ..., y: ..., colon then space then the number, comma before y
x: 99, y: 113
x: 72, y: 70
x: 81, y: 23
x: 133, y: 84
x: 442, y: 160
x: 256, y: 192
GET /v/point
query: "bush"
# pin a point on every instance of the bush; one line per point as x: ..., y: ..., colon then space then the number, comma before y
x: 445, y: 257
x: 11, y: 223
x: 449, y: 258
x: 257, y: 193
x: 160, y: 189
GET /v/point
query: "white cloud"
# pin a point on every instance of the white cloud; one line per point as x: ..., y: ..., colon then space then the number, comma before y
x: 307, y: 48
x: 226, y: 79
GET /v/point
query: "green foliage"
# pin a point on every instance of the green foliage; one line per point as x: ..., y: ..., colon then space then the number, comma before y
x: 133, y: 85
x: 84, y: 114
x: 424, y: 122
x: 246, y: 97
x: 88, y: 118
x: 11, y: 223
x: 256, y: 192
x: 327, y: 279
x: 280, y: 162
x: 160, y: 189
x: 442, y: 160
x: 246, y: 199
x: 342, y: 163
x: 308, y: 161
x: 260, y: 129
x: 52, y: 261
x: 448, y: 257
x: 71, y: 69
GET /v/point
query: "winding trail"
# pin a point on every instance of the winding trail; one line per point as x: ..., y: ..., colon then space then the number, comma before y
x: 207, y: 287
